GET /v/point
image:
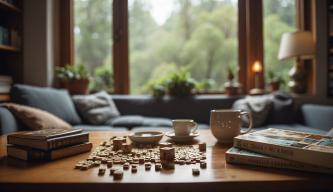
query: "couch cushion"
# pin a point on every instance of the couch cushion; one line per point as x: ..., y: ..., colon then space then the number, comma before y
x: 155, y: 121
x: 128, y: 121
x: 197, y: 107
x: 318, y: 116
x: 100, y: 128
x: 131, y: 121
x: 55, y: 101
x: 96, y: 108
x: 8, y: 123
x: 163, y: 128
x: 36, y: 119
x: 282, y: 111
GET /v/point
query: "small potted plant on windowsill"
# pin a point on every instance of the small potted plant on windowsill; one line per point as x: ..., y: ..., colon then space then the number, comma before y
x: 75, y: 78
x: 274, y: 81
x: 231, y: 87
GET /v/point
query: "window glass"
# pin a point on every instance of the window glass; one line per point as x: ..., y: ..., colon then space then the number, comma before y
x: 279, y: 17
x: 168, y: 35
x: 93, y: 40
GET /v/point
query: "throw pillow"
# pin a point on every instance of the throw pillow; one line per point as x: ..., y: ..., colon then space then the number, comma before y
x: 258, y: 106
x: 36, y: 119
x: 97, y: 108
x: 282, y: 111
x: 55, y: 101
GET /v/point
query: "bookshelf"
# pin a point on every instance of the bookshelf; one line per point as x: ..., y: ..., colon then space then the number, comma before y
x: 9, y: 6
x: 11, y: 45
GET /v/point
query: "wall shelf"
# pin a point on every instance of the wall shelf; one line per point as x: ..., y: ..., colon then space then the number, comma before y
x: 9, y: 7
x: 8, y: 48
x: 11, y: 56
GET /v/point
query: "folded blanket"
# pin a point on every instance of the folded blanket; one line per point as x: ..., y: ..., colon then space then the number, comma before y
x: 258, y: 106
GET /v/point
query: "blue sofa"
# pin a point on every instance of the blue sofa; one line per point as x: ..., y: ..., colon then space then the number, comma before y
x: 145, y: 111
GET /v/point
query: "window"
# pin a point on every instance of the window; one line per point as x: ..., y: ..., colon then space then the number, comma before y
x: 153, y: 38
x: 166, y: 35
x: 93, y: 40
x: 279, y: 17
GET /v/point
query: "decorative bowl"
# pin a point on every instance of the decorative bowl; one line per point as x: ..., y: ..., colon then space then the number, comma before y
x: 146, y: 137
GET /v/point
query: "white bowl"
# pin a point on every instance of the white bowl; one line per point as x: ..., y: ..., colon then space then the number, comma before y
x: 146, y: 137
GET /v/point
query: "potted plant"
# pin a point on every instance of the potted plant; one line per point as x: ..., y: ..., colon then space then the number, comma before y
x: 205, y: 86
x: 180, y: 83
x: 231, y: 87
x: 75, y: 78
x: 274, y: 81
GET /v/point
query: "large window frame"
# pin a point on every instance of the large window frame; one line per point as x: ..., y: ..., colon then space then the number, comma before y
x: 250, y: 40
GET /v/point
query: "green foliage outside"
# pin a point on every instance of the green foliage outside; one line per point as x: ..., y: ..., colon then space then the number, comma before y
x: 93, y: 40
x: 279, y: 17
x: 200, y: 35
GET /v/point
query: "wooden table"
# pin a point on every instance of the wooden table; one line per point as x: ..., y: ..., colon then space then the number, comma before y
x: 17, y: 175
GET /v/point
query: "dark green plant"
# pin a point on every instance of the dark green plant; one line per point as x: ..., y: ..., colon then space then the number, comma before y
x: 181, y: 83
x: 274, y: 78
x: 103, y: 79
x: 159, y: 91
x: 205, y: 85
x: 72, y: 72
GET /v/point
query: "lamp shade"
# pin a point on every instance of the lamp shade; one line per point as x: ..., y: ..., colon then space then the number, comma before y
x: 296, y: 44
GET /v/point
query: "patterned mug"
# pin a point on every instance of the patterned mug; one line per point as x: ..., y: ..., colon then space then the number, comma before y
x: 226, y: 124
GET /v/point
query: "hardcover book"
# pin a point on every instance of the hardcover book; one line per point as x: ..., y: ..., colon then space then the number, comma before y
x: 291, y: 145
x: 29, y: 154
x: 240, y: 156
x: 45, y: 134
x: 49, y: 144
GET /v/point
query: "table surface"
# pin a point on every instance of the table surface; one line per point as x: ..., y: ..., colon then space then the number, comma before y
x: 218, y: 176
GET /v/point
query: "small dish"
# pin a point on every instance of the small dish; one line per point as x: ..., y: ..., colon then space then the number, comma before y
x: 146, y: 137
x: 181, y: 139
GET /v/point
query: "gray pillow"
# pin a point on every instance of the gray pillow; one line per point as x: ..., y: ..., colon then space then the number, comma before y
x: 258, y: 106
x: 97, y: 108
x: 55, y: 101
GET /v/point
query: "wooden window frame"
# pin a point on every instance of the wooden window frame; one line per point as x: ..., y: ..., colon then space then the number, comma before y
x: 250, y: 39
x: 120, y: 47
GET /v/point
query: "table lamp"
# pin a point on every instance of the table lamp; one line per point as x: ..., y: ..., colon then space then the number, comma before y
x: 299, y: 45
x: 257, y: 69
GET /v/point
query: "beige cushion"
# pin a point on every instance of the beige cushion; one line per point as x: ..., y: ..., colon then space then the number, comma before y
x: 36, y: 119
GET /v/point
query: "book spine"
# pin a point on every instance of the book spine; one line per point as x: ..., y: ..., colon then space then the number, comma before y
x: 289, y: 153
x: 54, y: 144
x: 272, y: 162
x: 69, y: 151
x: 34, y: 155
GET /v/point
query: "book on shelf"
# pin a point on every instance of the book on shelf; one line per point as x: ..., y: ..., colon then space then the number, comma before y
x: 4, y: 88
x: 245, y: 157
x: 4, y: 97
x: 45, y: 134
x: 51, y: 143
x: 291, y: 145
x: 29, y: 154
x: 6, y: 80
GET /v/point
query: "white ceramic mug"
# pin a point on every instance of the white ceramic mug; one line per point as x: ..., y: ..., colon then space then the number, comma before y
x: 184, y: 127
x: 226, y: 124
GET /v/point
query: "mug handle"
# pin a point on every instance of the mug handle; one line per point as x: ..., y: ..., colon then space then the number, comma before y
x: 250, y: 123
x: 194, y: 130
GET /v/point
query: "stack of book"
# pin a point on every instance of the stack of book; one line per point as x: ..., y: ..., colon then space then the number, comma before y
x: 285, y: 149
x: 5, y: 84
x: 47, y: 144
